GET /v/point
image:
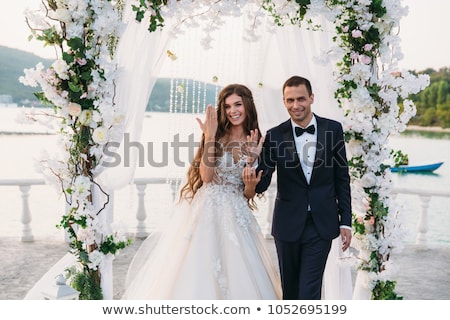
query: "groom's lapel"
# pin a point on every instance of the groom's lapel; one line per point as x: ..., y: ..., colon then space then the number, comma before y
x: 292, y: 159
x: 319, y: 159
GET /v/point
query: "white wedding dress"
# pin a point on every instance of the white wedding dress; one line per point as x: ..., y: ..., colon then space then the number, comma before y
x: 212, y: 248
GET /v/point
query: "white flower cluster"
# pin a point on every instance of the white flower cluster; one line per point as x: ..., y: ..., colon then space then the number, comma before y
x: 211, y: 15
x: 105, y: 21
x: 373, y: 115
x: 92, y: 23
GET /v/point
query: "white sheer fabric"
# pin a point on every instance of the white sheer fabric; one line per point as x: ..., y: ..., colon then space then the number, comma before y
x: 140, y: 55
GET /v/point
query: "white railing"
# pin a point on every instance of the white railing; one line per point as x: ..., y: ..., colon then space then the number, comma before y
x: 141, y: 214
x: 24, y: 186
x: 425, y: 197
x: 141, y: 184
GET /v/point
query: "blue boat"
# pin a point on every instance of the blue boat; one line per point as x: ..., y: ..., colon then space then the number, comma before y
x: 420, y: 168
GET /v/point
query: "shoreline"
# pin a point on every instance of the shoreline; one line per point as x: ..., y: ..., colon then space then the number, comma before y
x: 426, y: 129
x: 12, y: 126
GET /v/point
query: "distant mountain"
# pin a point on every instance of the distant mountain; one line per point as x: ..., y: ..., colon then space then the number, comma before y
x: 13, y: 62
x: 187, y: 95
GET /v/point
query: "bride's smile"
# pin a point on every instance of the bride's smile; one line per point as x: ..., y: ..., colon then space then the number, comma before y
x: 235, y: 111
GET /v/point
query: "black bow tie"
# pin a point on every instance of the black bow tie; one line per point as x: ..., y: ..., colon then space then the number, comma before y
x: 299, y: 131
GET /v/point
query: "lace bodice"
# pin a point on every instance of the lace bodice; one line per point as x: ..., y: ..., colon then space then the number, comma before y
x: 228, y: 171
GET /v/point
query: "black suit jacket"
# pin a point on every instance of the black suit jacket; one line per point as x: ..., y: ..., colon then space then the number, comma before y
x: 328, y: 193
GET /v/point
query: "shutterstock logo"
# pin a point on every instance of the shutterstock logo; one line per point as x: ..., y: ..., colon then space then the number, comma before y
x: 154, y: 154
x: 180, y: 152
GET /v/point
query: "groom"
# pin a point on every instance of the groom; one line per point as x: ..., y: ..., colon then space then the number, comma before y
x: 313, y: 204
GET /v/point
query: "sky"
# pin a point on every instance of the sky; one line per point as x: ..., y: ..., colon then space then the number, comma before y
x: 423, y: 32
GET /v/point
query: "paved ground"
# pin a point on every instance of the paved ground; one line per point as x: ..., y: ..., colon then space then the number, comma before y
x: 423, y: 275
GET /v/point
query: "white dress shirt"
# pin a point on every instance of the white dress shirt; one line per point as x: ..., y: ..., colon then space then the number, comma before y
x: 306, y: 148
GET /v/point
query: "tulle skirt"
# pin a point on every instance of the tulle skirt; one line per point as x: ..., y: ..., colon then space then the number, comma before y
x: 211, y: 249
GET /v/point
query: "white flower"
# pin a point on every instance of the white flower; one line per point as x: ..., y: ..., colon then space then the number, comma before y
x: 95, y: 258
x: 82, y: 185
x: 74, y: 109
x: 85, y: 117
x: 61, y: 68
x: 63, y: 15
x: 32, y: 76
x: 100, y: 135
x: 369, y: 180
x: 86, y: 235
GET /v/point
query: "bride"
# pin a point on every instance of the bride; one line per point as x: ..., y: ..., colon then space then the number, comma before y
x: 213, y: 247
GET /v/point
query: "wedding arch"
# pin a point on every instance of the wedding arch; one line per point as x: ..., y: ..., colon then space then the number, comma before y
x: 110, y: 53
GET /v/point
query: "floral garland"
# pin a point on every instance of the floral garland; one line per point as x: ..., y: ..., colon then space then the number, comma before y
x: 79, y: 86
x: 375, y: 101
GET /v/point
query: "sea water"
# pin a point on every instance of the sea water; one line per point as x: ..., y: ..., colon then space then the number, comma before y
x: 166, y: 146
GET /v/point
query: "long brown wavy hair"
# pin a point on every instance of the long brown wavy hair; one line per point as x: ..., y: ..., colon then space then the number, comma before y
x: 194, y: 180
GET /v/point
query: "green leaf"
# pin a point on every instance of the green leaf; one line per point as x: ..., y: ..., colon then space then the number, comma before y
x: 68, y: 58
x: 75, y: 43
x: 86, y: 75
x: 73, y: 87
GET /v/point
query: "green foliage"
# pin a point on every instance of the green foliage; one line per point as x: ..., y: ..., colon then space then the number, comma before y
x: 156, y: 20
x: 293, y: 18
x: 385, y: 290
x: 433, y: 103
x: 358, y: 227
x: 86, y: 283
x: 399, y: 158
x: 110, y: 246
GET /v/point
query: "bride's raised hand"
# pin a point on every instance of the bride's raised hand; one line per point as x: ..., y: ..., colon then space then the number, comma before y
x: 209, y: 126
x: 254, y: 146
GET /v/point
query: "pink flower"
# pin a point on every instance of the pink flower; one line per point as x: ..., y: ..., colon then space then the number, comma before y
x: 364, y: 59
x: 356, y: 33
x: 368, y: 47
x: 74, y: 109
x: 81, y: 62
x: 354, y: 56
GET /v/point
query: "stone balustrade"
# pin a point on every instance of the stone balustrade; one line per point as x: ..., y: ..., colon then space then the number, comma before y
x: 25, y: 188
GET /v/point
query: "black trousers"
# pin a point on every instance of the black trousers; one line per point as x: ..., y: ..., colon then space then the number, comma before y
x: 302, y: 264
